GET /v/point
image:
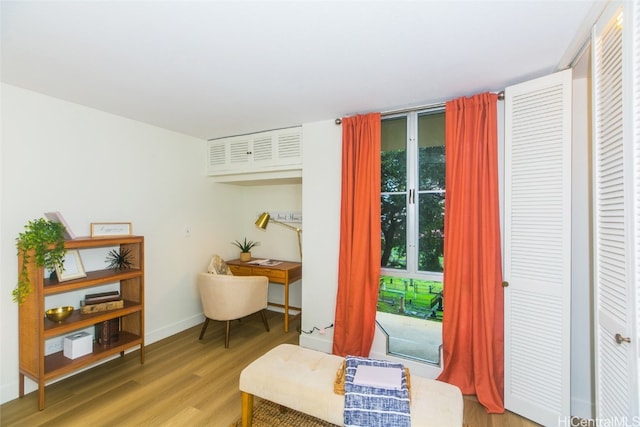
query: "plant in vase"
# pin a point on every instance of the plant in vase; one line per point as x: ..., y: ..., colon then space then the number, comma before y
x: 46, y: 239
x: 245, y: 248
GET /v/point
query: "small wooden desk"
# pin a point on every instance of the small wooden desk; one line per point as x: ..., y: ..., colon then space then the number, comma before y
x: 284, y: 273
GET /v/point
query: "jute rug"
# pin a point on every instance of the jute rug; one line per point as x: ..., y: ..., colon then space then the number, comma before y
x: 269, y: 414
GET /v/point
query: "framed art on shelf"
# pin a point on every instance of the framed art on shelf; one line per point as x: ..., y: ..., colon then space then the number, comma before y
x: 72, y: 267
x: 104, y: 229
x: 57, y: 217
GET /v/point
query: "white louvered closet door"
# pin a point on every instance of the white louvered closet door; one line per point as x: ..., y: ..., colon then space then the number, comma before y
x: 615, y: 198
x: 537, y: 248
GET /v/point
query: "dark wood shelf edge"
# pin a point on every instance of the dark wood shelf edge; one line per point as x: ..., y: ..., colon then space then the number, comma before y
x: 57, y: 364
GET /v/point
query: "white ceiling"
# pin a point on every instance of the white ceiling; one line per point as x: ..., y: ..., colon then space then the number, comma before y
x: 221, y: 68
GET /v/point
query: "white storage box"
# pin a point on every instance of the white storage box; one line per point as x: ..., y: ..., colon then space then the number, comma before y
x: 77, y: 345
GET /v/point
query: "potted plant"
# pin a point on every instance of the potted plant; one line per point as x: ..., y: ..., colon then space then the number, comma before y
x: 46, y: 239
x: 245, y: 248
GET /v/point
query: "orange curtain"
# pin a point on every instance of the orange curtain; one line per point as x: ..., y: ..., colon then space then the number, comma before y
x: 359, y: 263
x: 472, y: 329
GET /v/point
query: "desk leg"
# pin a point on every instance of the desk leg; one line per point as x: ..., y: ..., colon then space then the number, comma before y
x: 286, y: 307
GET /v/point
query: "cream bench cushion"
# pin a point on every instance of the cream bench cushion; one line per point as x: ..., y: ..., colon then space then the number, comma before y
x: 302, y: 379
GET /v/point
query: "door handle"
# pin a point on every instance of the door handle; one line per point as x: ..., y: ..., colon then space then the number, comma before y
x: 620, y: 339
x: 505, y: 284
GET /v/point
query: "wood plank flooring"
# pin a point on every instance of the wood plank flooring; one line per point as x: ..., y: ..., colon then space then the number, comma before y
x: 184, y: 382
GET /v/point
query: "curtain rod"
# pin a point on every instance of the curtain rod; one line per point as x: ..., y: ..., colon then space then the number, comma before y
x: 500, y: 94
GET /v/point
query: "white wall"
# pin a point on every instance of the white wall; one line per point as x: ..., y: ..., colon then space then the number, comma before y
x: 92, y: 166
x: 321, y: 169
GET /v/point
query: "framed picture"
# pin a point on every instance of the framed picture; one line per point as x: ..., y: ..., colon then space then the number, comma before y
x: 104, y: 229
x: 57, y: 217
x: 72, y: 267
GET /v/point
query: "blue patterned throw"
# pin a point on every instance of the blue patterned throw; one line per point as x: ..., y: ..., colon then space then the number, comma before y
x: 366, y: 406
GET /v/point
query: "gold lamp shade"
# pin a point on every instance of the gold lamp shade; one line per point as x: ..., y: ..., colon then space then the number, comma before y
x: 263, y: 220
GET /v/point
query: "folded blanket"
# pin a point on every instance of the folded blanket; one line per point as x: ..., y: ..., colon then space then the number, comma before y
x: 371, y: 406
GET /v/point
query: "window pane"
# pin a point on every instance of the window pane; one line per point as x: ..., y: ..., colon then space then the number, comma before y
x: 410, y: 313
x: 431, y: 152
x: 394, y: 155
x: 430, y: 231
x: 394, y: 231
x: 412, y: 221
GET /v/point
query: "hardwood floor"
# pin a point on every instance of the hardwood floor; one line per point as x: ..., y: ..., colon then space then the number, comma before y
x: 184, y: 382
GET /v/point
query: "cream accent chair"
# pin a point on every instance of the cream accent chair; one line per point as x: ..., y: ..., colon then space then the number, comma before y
x: 228, y: 297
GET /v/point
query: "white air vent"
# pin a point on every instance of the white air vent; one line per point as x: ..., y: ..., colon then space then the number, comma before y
x: 262, y: 148
x: 239, y: 150
x: 270, y: 151
x: 217, y: 154
x: 289, y: 144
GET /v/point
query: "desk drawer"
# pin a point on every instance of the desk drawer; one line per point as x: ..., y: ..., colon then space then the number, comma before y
x: 273, y: 274
x: 242, y: 271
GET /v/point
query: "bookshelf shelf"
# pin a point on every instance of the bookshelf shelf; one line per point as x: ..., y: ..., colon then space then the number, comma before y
x: 56, y: 364
x: 35, y: 328
x: 79, y: 321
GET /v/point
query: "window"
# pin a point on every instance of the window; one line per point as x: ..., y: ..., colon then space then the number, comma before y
x: 412, y: 222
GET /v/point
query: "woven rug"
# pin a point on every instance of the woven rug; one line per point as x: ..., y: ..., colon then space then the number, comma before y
x: 269, y: 414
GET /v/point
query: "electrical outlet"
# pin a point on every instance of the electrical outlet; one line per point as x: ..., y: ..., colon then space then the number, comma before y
x: 53, y: 345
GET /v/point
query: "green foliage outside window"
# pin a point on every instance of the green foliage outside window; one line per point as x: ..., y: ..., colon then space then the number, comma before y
x: 410, y: 297
x: 397, y: 197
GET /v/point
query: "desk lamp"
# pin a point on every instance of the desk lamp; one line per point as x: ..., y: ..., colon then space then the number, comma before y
x: 263, y: 221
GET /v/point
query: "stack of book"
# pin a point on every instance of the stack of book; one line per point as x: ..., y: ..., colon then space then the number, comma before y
x: 108, y: 332
x: 101, y: 297
x: 102, y: 301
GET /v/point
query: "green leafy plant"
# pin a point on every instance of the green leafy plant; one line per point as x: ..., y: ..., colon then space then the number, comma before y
x: 246, y: 245
x: 119, y: 260
x: 46, y: 239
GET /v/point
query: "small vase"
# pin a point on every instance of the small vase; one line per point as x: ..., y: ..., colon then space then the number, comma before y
x: 245, y: 256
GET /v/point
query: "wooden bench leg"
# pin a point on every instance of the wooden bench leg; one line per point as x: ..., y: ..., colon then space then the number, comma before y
x: 247, y: 409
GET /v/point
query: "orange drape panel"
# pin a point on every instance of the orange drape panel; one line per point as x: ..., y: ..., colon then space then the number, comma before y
x: 359, y: 263
x: 472, y: 327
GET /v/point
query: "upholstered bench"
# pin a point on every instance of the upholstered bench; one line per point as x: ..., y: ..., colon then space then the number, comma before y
x: 302, y: 379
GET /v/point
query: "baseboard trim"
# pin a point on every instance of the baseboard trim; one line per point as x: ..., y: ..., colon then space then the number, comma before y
x: 167, y: 331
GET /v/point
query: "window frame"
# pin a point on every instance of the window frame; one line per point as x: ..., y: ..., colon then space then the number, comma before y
x: 412, y: 182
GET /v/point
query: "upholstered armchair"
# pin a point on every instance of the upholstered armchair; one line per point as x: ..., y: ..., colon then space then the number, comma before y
x: 227, y: 297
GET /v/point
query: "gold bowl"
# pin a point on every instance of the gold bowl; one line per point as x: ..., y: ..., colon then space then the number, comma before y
x: 59, y: 314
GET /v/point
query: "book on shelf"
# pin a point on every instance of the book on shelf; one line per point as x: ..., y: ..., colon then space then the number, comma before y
x: 108, y: 332
x: 101, y: 300
x: 101, y: 297
x: 102, y: 294
x: 103, y: 306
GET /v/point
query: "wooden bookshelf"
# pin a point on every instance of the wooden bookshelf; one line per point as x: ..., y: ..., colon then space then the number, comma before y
x: 35, y: 328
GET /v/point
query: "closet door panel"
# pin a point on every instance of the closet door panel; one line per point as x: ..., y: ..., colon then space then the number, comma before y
x: 537, y: 248
x: 615, y: 199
